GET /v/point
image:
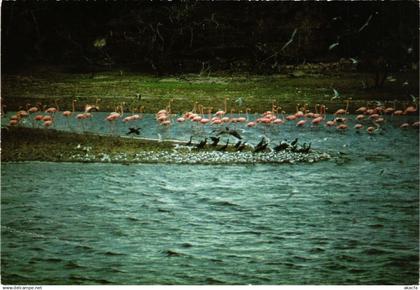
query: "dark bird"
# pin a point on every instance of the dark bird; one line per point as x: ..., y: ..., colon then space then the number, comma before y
x: 234, y: 133
x: 261, y: 142
x: 260, y: 148
x: 282, y: 146
x: 294, y: 142
x: 202, y: 144
x: 305, y: 149
x: 223, y: 148
x: 134, y: 131
x: 214, y: 140
x: 241, y: 147
x: 189, y: 143
x: 237, y: 144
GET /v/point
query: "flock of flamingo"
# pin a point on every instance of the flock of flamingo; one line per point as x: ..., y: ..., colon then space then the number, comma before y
x: 301, y: 117
x: 369, y: 117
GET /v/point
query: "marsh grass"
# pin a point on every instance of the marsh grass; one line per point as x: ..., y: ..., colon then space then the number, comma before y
x: 258, y: 92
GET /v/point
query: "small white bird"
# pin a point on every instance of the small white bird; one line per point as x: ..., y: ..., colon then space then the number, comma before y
x: 239, y: 101
x: 354, y: 61
x: 336, y: 95
x: 333, y: 45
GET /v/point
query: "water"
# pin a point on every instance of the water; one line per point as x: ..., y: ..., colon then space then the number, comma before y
x: 351, y: 220
x: 182, y: 131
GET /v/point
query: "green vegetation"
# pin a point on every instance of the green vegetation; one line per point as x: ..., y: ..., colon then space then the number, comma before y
x: 257, y: 92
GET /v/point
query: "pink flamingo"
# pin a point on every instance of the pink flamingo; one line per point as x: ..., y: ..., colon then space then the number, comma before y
x: 46, y: 118
x: 301, y: 123
x: 243, y: 119
x: 13, y: 122
x: 205, y: 120
x: 67, y: 114
x: 316, y: 114
x: 48, y: 123
x: 22, y: 114
x: 299, y: 114
x: 92, y: 108
x: 380, y: 120
x: 410, y: 110
x: 321, y: 116
x: 81, y: 117
x: 33, y: 110
x: 291, y: 117
x: 251, y: 124
x: 389, y: 110
x: 360, y: 117
x: 38, y: 118
x: 343, y: 111
x: 361, y: 110
x: 342, y: 127
x: 371, y: 129
x: 52, y: 110
x: 113, y: 116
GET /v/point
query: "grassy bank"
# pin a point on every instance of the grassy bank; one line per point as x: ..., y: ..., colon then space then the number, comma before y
x: 257, y: 92
x: 27, y: 144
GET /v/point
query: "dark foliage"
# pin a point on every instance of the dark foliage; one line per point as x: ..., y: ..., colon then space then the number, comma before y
x: 202, y: 37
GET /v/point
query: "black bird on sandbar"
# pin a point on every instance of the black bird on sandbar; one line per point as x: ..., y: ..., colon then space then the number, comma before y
x: 261, y: 142
x: 241, y: 147
x: 260, y: 148
x: 305, y: 149
x: 202, y: 144
x: 282, y: 146
x: 294, y: 142
x: 134, y: 131
x: 189, y: 143
x: 223, y: 148
x: 214, y: 140
x: 237, y: 144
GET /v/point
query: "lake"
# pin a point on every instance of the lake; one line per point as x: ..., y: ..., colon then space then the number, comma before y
x: 351, y: 220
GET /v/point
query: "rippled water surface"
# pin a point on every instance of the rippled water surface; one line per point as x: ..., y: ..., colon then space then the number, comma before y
x: 351, y: 220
